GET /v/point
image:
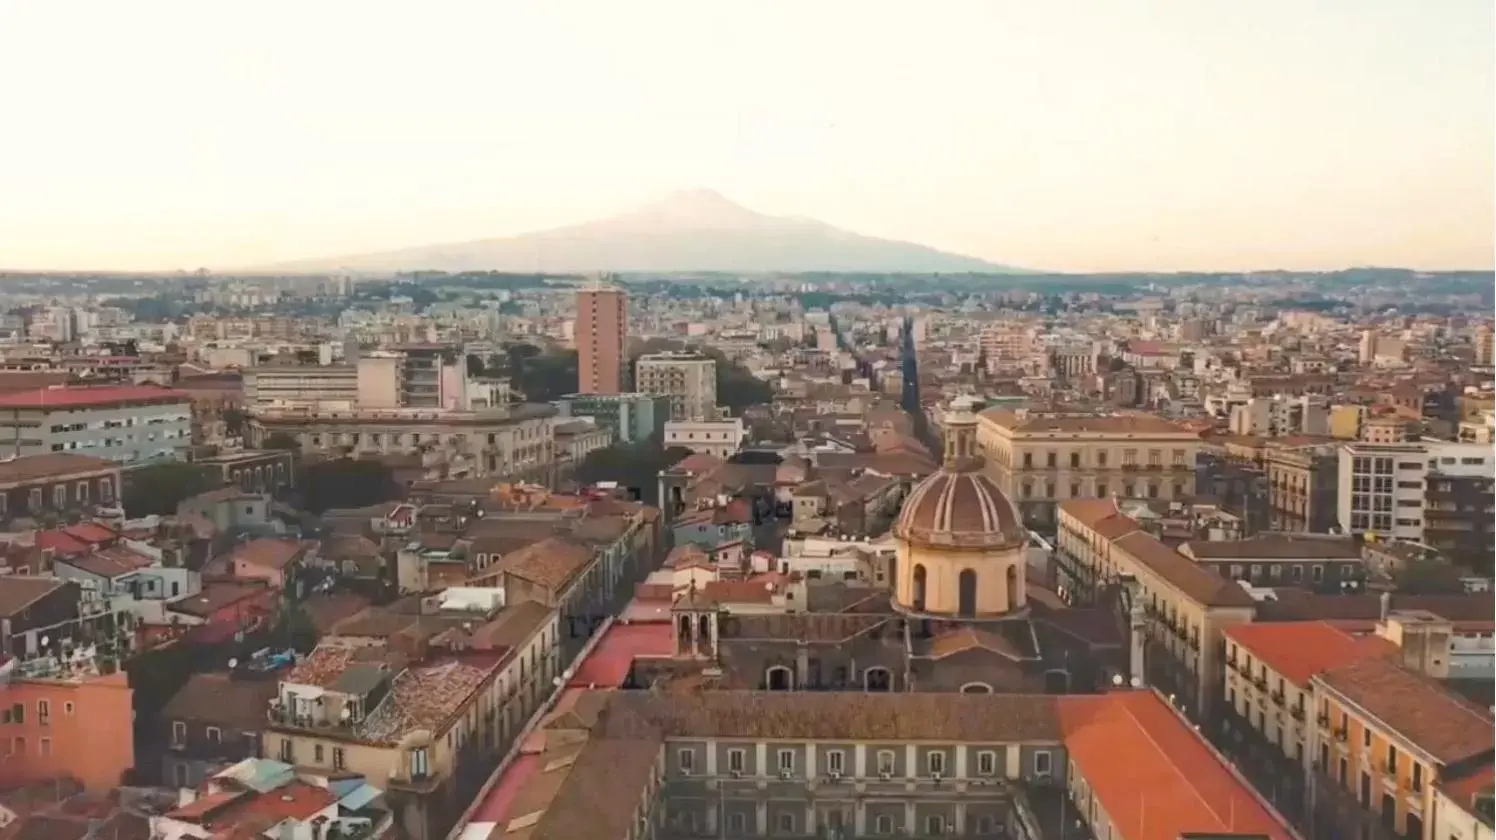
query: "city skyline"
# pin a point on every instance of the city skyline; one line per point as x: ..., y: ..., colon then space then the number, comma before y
x: 1094, y: 137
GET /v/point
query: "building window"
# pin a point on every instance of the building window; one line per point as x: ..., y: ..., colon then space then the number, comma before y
x: 1043, y: 763
x: 986, y: 763
x: 59, y: 496
x: 736, y: 823
x: 836, y: 762
x: 67, y: 708
x: 287, y: 751
x: 44, y: 712
x: 686, y: 758
x: 339, y: 760
x: 82, y: 489
x: 934, y: 824
x: 214, y: 735
x: 178, y: 733
x: 735, y: 761
x: 885, y: 762
x: 935, y: 762
x: 34, y: 499
x: 786, y: 822
x: 106, y: 490
x: 884, y: 824
x: 317, y: 753
x: 44, y: 746
x: 786, y: 761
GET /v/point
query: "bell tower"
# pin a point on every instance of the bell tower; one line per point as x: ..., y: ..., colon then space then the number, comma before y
x: 695, y: 616
x: 960, y: 433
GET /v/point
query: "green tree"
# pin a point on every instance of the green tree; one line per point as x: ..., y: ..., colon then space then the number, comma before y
x: 632, y: 465
x: 157, y: 489
x: 233, y: 422
x: 345, y: 483
x: 1429, y: 577
x: 281, y: 441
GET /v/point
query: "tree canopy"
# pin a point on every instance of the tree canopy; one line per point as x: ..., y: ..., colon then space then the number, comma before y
x: 157, y: 489
x: 632, y: 465
x: 345, y: 483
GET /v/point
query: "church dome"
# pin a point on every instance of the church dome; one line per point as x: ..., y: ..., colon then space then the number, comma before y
x: 959, y: 509
x: 960, y: 543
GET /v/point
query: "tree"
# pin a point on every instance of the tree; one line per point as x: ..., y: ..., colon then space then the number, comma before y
x: 1429, y: 577
x: 281, y: 441
x: 345, y: 483
x: 233, y: 422
x: 632, y: 465
x: 157, y: 489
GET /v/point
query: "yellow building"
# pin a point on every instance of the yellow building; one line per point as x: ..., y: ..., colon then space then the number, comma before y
x: 1188, y: 606
x: 1042, y: 459
x: 1384, y: 736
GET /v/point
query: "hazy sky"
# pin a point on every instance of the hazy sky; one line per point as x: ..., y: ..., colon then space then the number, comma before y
x: 1062, y: 134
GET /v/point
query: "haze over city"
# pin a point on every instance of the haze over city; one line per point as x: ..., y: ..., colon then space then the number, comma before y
x: 1093, y: 136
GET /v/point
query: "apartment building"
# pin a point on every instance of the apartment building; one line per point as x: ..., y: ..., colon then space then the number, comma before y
x: 688, y: 379
x: 1431, y: 492
x: 131, y: 425
x: 602, y: 328
x: 62, y: 716
x: 632, y: 417
x: 300, y: 385
x: 1302, y: 482
x: 718, y: 438
x: 1042, y: 459
x: 1385, y: 737
x: 1320, y: 562
x: 513, y: 441
x: 55, y: 483
x: 1188, y: 606
x: 420, y: 718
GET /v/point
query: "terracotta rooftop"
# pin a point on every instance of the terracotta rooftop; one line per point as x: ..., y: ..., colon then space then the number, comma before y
x: 1106, y: 424
x: 1414, y: 707
x: 217, y: 699
x: 268, y: 552
x: 1274, y: 547
x: 214, y: 597
x: 18, y: 592
x: 551, y: 563
x: 1198, y: 583
x: 1298, y: 650
x: 51, y: 465
x: 74, y: 397
x: 1154, y: 777
x: 427, y: 697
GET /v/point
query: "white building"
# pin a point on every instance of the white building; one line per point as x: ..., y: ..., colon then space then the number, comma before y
x: 689, y: 379
x: 1460, y: 816
x: 719, y: 438
x: 1383, y: 486
x: 131, y: 425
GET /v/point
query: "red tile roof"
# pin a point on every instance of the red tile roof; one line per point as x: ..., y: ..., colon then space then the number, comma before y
x: 609, y: 662
x: 85, y: 397
x: 1297, y: 650
x: 1436, y: 720
x: 1155, y: 778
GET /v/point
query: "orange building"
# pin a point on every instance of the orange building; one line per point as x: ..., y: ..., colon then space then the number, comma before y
x: 80, y: 727
x: 602, y: 327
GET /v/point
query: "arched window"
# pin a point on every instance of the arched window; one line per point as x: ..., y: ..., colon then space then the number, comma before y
x: 684, y: 636
x: 967, y: 591
x: 919, y: 587
x: 704, y: 631
x: 1013, y: 591
x: 779, y: 678
x: 877, y: 679
x: 976, y: 688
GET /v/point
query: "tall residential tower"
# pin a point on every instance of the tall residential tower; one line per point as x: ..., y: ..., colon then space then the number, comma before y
x: 601, y: 330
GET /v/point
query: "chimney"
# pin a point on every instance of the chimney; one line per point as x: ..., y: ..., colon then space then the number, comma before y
x: 1386, y: 601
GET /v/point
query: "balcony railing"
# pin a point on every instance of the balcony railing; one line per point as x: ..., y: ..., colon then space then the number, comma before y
x: 1261, y: 683
x: 1297, y: 713
x: 1277, y: 697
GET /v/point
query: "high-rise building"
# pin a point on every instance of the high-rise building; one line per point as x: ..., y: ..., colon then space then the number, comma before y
x: 602, y: 327
x: 1483, y: 346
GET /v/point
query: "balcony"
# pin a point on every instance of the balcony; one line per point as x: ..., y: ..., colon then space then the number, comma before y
x: 1277, y: 698
x: 1323, y: 721
x: 1261, y: 683
x: 1341, y: 735
x: 1297, y: 713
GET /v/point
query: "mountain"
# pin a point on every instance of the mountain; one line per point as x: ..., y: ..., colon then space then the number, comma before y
x: 689, y: 231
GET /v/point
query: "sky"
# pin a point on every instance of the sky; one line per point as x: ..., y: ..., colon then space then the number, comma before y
x: 1070, y: 135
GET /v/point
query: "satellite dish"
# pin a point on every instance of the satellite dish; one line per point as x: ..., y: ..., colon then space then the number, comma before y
x: 1117, y: 679
x: 346, y: 713
x: 233, y: 663
x: 46, y: 640
x: 1136, y: 682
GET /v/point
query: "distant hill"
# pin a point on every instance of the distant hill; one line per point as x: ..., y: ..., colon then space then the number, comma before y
x: 689, y: 231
